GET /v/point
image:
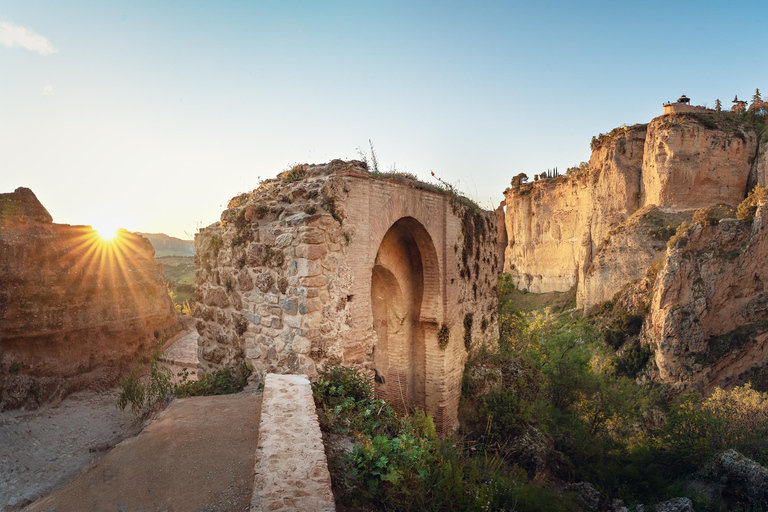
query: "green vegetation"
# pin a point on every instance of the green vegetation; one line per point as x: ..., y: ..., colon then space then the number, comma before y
x: 148, y: 384
x: 747, y: 209
x: 400, y: 463
x: 557, y: 402
x: 711, y: 215
x: 297, y: 172
x: 180, y: 273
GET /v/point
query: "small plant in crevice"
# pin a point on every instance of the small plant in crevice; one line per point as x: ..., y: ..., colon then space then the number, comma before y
x: 468, y: 319
x: 443, y: 336
x: 241, y: 325
x: 297, y: 172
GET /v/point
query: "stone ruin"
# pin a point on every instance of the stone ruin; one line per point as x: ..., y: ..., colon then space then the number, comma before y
x: 74, y: 310
x: 333, y: 264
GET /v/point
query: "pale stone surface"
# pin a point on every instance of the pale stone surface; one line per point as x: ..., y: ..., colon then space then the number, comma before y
x: 316, y: 297
x: 554, y: 226
x: 711, y: 284
x: 688, y: 165
x: 679, y: 162
x: 291, y: 471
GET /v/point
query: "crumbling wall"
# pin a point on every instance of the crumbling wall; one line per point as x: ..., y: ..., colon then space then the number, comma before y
x: 331, y: 264
x: 73, y: 308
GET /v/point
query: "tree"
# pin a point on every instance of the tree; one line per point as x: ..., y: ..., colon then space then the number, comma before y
x: 519, y: 179
x: 758, y: 106
x: 718, y: 106
x: 739, y: 106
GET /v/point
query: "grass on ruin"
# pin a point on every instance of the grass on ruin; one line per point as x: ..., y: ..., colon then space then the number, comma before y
x: 150, y: 382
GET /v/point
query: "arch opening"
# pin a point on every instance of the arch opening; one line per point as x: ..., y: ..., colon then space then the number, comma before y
x: 405, y: 301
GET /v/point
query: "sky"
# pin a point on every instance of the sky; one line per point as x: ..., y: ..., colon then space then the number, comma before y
x: 151, y: 115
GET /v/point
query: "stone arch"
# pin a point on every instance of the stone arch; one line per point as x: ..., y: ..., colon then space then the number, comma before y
x: 405, y: 298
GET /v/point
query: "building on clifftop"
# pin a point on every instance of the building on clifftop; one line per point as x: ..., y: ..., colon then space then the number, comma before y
x: 683, y: 104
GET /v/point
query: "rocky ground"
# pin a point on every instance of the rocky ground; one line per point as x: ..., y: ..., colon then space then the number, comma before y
x: 45, y: 449
x: 197, y: 455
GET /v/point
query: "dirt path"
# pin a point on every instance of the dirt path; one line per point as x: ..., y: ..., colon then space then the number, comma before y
x: 197, y: 455
x: 44, y: 449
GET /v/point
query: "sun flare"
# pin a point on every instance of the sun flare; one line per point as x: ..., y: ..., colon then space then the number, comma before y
x: 107, y: 232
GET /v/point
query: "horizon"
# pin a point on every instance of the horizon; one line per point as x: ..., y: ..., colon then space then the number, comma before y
x: 151, y: 117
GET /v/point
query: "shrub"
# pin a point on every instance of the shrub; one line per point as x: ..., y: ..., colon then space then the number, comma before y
x: 224, y: 381
x: 680, y: 237
x: 633, y: 360
x: 157, y: 383
x: 747, y: 209
x: 143, y: 390
x: 699, y: 428
x: 297, y: 172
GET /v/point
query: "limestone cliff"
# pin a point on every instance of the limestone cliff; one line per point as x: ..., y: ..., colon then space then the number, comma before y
x: 554, y: 226
x: 698, y: 160
x: 70, y: 303
x: 578, y: 229
x: 708, y: 322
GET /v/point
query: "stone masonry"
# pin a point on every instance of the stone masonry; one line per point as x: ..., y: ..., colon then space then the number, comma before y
x: 333, y: 264
x: 291, y: 470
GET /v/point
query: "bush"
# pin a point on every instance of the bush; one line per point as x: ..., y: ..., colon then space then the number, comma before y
x: 297, y: 172
x: 698, y: 428
x: 747, y: 209
x: 136, y: 393
x: 633, y: 360
x: 143, y: 390
x: 680, y: 237
x: 224, y: 381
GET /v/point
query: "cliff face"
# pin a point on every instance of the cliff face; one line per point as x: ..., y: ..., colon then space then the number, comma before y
x: 708, y: 322
x: 678, y: 163
x: 71, y: 303
x: 554, y: 226
x: 691, y: 162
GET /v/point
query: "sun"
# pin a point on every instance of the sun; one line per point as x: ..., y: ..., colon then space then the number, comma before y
x: 107, y: 232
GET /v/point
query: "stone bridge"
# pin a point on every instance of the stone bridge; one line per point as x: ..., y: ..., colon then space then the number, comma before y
x: 331, y: 264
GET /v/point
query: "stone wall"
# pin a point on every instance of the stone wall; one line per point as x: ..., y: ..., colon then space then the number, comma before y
x: 71, y: 303
x: 329, y: 264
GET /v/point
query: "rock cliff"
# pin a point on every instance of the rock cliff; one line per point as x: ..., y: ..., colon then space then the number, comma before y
x: 70, y: 303
x: 708, y: 322
x: 580, y: 229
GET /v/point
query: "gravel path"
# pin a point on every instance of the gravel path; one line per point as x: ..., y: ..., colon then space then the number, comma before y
x: 44, y: 449
x: 196, y: 455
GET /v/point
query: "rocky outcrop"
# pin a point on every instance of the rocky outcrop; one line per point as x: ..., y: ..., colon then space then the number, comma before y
x: 740, y: 476
x: 70, y: 303
x: 708, y: 322
x: 331, y: 264
x: 579, y: 229
x: 697, y: 160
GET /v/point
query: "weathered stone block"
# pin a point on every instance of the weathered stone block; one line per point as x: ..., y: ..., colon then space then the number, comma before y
x: 291, y: 306
x: 311, y: 236
x: 311, y: 251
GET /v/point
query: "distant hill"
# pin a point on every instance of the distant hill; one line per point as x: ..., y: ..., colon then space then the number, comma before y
x: 169, y: 246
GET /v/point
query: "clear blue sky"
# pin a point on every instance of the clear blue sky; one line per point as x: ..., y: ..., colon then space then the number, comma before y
x: 154, y: 114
